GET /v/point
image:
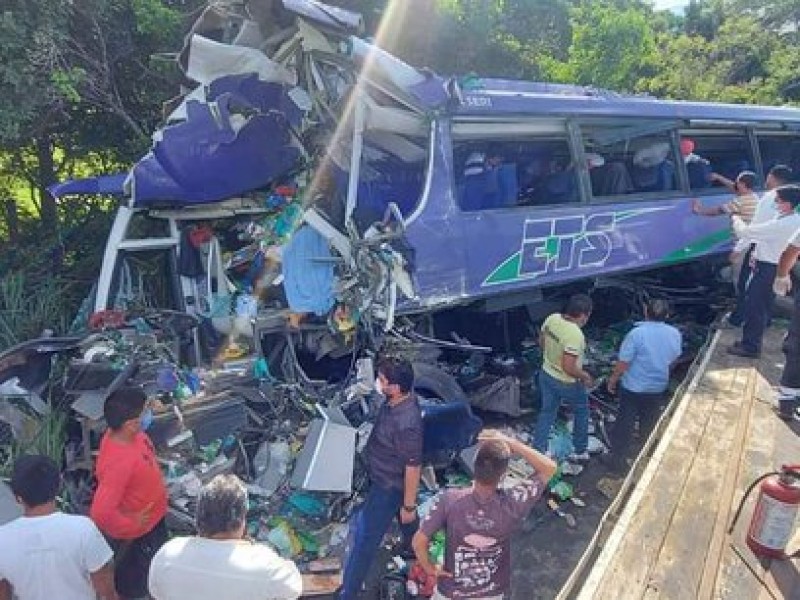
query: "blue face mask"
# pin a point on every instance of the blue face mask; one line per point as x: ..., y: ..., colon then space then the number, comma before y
x: 146, y: 420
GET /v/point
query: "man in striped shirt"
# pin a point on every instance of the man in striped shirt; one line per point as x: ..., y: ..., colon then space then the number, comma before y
x: 744, y: 205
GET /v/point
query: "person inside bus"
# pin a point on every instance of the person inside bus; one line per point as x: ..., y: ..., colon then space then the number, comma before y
x: 697, y: 168
x: 488, y: 181
x: 651, y: 170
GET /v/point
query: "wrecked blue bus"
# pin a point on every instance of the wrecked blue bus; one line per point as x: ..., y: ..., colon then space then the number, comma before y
x: 311, y: 177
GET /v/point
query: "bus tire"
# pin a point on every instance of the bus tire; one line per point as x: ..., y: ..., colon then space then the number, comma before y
x: 432, y: 382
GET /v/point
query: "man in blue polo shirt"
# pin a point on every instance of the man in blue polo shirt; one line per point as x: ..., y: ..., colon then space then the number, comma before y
x: 645, y: 357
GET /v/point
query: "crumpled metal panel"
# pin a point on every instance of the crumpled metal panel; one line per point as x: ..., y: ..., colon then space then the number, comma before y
x: 215, y: 154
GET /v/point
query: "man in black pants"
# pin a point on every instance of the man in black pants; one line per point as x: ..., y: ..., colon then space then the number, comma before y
x: 765, y: 211
x: 645, y: 359
x: 771, y: 239
x: 789, y: 278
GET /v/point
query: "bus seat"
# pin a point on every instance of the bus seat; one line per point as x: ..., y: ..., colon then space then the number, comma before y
x: 611, y: 179
x: 560, y: 188
x: 447, y: 428
x: 699, y: 172
x: 474, y: 192
x: 508, y: 184
x: 655, y: 178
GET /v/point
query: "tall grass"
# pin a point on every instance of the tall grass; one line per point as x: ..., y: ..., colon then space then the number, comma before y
x: 29, y: 305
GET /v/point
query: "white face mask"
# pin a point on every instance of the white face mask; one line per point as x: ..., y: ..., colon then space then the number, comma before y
x: 379, y: 387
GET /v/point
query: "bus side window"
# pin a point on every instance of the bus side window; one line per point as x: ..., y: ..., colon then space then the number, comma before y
x: 523, y: 171
x: 779, y: 149
x: 708, y: 150
x: 629, y: 159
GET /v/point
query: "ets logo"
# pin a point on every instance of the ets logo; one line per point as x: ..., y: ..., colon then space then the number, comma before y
x: 564, y: 243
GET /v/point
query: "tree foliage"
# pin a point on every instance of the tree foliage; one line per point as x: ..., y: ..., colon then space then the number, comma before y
x: 83, y: 82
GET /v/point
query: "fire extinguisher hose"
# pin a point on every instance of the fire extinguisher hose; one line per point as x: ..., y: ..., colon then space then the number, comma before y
x: 747, y: 495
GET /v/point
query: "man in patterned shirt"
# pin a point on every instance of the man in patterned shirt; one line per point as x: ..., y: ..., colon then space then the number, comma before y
x: 479, y: 522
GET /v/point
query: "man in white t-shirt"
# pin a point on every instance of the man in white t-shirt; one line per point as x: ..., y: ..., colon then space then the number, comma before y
x: 45, y: 554
x: 770, y: 239
x: 218, y: 562
x: 766, y: 210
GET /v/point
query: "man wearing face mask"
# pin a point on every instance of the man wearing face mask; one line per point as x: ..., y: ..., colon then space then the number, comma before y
x: 393, y: 457
x: 131, y: 498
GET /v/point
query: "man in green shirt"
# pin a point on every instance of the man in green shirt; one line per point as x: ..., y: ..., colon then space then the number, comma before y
x: 562, y: 377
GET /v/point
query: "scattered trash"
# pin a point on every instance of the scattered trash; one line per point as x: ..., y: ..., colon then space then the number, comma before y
x: 571, y: 522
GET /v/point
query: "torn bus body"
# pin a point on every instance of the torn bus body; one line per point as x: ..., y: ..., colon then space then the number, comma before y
x: 312, y: 179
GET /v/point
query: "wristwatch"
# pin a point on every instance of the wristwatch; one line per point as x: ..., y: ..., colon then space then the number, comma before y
x: 410, y: 507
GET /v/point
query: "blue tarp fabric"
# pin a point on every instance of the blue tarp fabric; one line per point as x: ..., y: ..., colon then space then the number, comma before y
x: 103, y: 184
x: 308, y: 272
x: 223, y: 149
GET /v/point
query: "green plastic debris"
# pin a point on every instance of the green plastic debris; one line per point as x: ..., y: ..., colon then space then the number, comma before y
x: 562, y: 490
x: 436, y: 547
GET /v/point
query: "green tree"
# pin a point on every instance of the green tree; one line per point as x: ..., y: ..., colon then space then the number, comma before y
x: 611, y: 47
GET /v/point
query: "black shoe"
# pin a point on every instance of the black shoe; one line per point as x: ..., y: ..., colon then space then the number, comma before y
x: 738, y: 350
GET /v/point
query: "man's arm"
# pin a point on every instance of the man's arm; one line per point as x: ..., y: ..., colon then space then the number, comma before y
x: 5, y: 590
x: 410, y: 488
x: 712, y: 211
x: 788, y: 258
x: 103, y: 582
x: 619, y: 369
x: 105, y: 511
x: 420, y: 543
x: 721, y: 179
x: 783, y: 282
x: 570, y: 366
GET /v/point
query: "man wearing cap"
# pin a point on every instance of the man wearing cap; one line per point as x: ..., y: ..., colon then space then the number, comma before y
x: 645, y: 358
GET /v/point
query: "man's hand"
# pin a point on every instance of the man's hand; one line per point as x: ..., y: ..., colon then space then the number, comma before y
x: 407, y: 516
x: 611, y: 385
x: 733, y: 258
x: 696, y: 206
x: 782, y: 285
x: 145, y: 515
x: 435, y: 571
x: 497, y: 436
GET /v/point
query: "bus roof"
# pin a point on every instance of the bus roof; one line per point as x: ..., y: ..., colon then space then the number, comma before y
x: 500, y: 97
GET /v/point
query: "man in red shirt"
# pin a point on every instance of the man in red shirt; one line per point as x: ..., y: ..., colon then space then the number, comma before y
x: 131, y: 498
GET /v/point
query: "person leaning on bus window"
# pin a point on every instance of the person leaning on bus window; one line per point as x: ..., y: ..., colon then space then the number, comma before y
x: 771, y: 239
x: 765, y: 210
x: 642, y: 371
x: 744, y: 204
x: 788, y: 278
x: 562, y: 376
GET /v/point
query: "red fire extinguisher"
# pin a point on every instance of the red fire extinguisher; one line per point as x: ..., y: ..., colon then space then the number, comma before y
x: 774, y: 513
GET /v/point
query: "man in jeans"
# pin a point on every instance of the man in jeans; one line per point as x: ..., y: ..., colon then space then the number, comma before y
x: 562, y: 377
x: 480, y: 520
x: 393, y: 457
x: 645, y: 358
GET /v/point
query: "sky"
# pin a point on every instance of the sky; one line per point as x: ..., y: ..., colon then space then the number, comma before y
x: 671, y: 4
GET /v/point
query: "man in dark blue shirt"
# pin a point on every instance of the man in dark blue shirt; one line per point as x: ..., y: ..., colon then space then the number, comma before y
x: 393, y: 456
